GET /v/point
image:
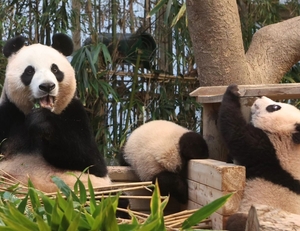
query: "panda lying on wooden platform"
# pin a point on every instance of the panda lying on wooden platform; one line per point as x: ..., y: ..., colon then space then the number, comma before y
x: 160, y: 150
x: 54, y: 138
x: 269, y: 148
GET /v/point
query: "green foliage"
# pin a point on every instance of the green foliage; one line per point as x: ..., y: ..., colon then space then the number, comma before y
x: 70, y: 210
x: 120, y: 97
x: 117, y: 105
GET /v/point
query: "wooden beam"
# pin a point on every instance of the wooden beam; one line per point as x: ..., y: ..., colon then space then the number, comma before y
x: 122, y: 174
x: 217, y: 174
x: 203, y: 195
x: 214, y: 94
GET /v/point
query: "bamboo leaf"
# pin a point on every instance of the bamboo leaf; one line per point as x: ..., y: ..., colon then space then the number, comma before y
x: 64, y: 188
x: 89, y: 218
x: 56, y: 217
x: 16, y: 216
x: 75, y: 223
x: 69, y: 210
x: 95, y: 52
x: 91, y: 64
x: 180, y: 14
x: 82, y: 191
x: 48, y: 205
x: 23, y: 204
x: 205, y: 212
x: 168, y: 9
x: 157, y: 7
x: 41, y: 223
x: 106, y: 54
x: 92, y: 196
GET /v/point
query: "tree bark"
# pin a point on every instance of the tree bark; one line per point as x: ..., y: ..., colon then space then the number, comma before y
x: 218, y: 46
x: 274, y: 50
x: 266, y: 218
x: 76, y: 33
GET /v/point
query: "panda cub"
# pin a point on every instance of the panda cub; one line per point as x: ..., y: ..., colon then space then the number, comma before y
x: 269, y: 148
x: 44, y: 129
x: 160, y: 150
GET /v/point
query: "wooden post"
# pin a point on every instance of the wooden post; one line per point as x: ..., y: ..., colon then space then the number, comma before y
x: 214, y: 141
x: 210, y: 179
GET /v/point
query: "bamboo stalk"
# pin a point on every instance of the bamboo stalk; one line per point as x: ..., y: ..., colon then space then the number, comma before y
x: 152, y: 76
x: 127, y: 197
x: 181, y: 213
x: 134, y: 212
x: 172, y: 221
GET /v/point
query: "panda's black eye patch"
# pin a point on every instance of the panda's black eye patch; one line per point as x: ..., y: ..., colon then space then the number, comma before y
x: 27, y: 75
x: 273, y: 107
x: 58, y: 74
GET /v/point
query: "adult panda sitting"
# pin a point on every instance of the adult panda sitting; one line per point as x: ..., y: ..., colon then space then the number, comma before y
x: 160, y: 150
x: 54, y: 138
x: 269, y: 148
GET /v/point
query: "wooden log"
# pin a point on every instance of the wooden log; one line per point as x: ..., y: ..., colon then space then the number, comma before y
x: 217, y: 174
x: 122, y: 174
x: 266, y: 218
x: 210, y: 179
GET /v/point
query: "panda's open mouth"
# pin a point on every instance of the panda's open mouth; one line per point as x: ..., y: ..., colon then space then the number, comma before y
x: 45, y: 102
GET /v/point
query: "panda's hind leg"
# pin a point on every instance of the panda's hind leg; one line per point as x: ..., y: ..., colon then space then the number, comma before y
x: 172, y: 184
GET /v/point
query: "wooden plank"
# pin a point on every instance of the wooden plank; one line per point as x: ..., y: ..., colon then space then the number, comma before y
x: 126, y: 174
x: 122, y: 173
x: 217, y: 174
x: 218, y: 221
x: 211, y: 133
x: 214, y: 94
x: 202, y: 195
x: 216, y: 146
x: 143, y: 205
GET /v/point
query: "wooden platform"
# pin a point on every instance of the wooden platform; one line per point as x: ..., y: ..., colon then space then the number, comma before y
x: 212, y: 178
x: 207, y: 179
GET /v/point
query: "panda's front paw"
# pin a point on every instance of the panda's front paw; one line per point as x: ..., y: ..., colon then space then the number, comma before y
x: 38, y: 123
x: 233, y: 90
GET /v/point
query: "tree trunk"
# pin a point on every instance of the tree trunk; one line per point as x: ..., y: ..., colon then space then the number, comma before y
x: 218, y: 46
x: 76, y: 6
x: 266, y: 218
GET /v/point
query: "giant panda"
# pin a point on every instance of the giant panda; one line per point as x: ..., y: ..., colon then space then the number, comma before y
x: 160, y: 150
x: 268, y: 147
x: 44, y: 129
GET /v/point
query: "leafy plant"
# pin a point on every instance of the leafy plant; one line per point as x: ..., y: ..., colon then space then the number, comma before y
x: 77, y: 209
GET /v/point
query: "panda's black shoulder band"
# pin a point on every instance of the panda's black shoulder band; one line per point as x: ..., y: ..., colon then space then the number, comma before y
x: 63, y: 44
x: 13, y: 45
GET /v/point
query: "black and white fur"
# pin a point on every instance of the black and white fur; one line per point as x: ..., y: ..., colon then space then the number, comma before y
x: 269, y: 148
x: 55, y: 138
x: 161, y: 149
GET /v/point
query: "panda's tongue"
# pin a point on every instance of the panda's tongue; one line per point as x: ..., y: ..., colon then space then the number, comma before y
x: 47, y: 102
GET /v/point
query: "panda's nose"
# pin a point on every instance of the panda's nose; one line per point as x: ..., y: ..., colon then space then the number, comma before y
x: 47, y: 87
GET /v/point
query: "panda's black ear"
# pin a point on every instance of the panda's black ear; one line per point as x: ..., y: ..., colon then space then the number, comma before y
x: 63, y: 44
x: 13, y: 45
x: 296, y: 135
